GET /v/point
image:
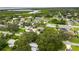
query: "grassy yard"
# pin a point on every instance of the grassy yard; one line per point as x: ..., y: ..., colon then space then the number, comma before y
x: 21, y: 30
x: 76, y: 24
x: 75, y: 40
x: 7, y: 48
x: 75, y: 29
x: 75, y: 48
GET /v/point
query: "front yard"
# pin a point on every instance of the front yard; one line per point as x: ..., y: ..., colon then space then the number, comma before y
x: 74, y: 40
x: 75, y: 48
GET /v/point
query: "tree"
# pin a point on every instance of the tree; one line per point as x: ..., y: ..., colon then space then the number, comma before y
x: 23, y: 43
x: 62, y: 22
x: 66, y: 35
x: 12, y: 27
x: 49, y: 40
x: 3, y: 42
x: 57, y: 26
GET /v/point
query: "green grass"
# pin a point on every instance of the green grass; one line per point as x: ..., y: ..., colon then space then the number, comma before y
x: 75, y: 40
x: 75, y: 29
x: 21, y: 30
x: 76, y: 24
x: 7, y: 48
x: 75, y: 48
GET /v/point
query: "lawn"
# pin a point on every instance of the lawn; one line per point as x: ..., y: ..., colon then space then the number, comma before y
x: 75, y: 48
x: 7, y: 48
x: 74, y: 40
x: 75, y: 29
x: 76, y: 24
x: 21, y: 30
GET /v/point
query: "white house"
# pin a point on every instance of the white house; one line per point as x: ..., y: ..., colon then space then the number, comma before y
x: 15, y: 18
x: 51, y: 25
x: 11, y: 43
x: 34, y: 46
x: 78, y: 32
x: 68, y: 47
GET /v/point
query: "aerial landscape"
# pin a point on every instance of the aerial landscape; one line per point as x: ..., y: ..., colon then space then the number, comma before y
x: 39, y: 29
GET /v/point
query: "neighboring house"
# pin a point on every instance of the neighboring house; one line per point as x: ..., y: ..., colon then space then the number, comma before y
x: 22, y: 19
x: 45, y: 21
x: 77, y: 20
x: 69, y: 15
x: 37, y: 18
x: 18, y: 34
x: 68, y: 47
x: 50, y: 25
x: 28, y: 29
x: 40, y: 29
x: 78, y: 32
x: 34, y: 46
x: 30, y: 17
x: 5, y: 33
x: 63, y: 29
x: 2, y: 26
x: 11, y: 43
x: 68, y: 27
x: 15, y: 18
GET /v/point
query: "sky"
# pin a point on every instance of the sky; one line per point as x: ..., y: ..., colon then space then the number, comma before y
x: 1, y: 8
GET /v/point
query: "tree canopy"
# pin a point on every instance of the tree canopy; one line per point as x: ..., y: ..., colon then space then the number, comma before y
x: 49, y: 40
x: 23, y: 43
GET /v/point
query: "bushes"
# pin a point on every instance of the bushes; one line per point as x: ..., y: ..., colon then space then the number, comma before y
x: 22, y: 44
x: 3, y: 42
x: 12, y: 27
x: 49, y: 41
x: 60, y: 21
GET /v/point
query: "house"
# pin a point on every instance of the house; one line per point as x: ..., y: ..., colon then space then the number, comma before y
x: 69, y: 15
x: 28, y: 29
x: 15, y: 18
x: 63, y: 29
x: 68, y: 27
x: 11, y: 43
x: 34, y: 46
x: 40, y: 29
x: 5, y: 33
x: 77, y: 32
x: 34, y: 30
x: 77, y: 20
x: 37, y: 32
x: 75, y: 14
x: 2, y: 26
x: 37, y: 18
x: 18, y: 34
x: 22, y: 19
x: 51, y: 25
x: 30, y: 17
x: 20, y: 16
x: 68, y: 47
x: 46, y: 21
